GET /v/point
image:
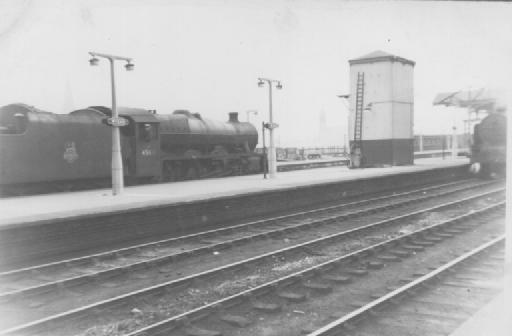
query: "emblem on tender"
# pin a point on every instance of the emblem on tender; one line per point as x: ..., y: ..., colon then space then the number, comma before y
x: 70, y: 154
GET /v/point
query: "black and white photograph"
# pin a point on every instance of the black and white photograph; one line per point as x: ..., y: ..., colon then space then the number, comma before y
x: 255, y: 168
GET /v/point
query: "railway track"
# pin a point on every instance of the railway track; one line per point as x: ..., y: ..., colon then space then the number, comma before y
x: 41, y: 275
x: 304, y: 223
x: 292, y: 305
x: 72, y: 271
x: 138, y: 251
x: 138, y: 255
x: 434, y: 304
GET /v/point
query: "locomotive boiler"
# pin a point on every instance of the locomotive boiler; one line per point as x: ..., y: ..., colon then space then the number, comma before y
x: 42, y: 149
x: 192, y: 146
x: 488, y: 152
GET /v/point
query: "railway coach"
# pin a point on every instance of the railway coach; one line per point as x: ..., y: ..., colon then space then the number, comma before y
x: 42, y: 151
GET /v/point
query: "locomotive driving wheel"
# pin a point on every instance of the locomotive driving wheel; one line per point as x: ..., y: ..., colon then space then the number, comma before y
x: 171, y: 171
x: 220, y: 161
x: 193, y: 169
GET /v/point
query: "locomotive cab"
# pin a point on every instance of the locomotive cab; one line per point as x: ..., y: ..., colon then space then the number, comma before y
x: 13, y: 120
x: 141, y: 144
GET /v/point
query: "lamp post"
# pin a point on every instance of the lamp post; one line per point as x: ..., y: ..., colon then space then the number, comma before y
x: 114, y: 121
x: 345, y: 98
x: 455, y: 149
x: 272, y: 167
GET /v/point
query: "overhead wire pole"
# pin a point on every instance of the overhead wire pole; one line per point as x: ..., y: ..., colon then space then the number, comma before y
x: 114, y: 121
x: 272, y: 165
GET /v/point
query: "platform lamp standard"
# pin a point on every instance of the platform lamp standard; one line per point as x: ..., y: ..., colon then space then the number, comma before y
x: 345, y: 98
x: 272, y: 167
x: 114, y: 121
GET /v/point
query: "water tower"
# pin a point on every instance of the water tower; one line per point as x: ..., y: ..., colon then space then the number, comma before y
x: 381, y: 110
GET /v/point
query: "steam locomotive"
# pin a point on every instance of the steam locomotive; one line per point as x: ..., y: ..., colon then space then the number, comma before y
x: 489, y: 149
x: 41, y: 150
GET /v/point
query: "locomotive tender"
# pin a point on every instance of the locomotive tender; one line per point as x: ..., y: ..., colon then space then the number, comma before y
x: 45, y: 149
x: 489, y: 149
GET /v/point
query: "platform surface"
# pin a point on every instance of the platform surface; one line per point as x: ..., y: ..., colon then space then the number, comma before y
x: 28, y: 209
x: 491, y: 320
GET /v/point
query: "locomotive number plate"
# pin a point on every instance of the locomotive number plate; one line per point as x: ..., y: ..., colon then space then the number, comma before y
x: 117, y: 122
x: 147, y: 152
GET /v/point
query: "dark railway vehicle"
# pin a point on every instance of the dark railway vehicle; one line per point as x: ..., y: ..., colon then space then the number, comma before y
x: 488, y: 152
x: 41, y: 150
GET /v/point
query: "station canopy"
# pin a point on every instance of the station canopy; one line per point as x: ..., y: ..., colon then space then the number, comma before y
x: 481, y: 99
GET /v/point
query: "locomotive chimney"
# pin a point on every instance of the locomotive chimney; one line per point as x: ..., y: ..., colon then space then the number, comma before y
x: 233, y: 117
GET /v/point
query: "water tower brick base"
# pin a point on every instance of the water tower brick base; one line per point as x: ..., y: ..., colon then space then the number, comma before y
x: 394, y: 152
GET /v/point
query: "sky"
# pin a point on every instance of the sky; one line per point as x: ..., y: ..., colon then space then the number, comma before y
x: 206, y: 56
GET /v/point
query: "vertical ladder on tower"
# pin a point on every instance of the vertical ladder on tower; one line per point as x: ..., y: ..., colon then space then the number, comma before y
x: 356, y: 149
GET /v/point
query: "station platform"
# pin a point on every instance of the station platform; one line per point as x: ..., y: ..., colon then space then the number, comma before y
x: 26, y: 209
x: 312, y: 161
x: 494, y: 319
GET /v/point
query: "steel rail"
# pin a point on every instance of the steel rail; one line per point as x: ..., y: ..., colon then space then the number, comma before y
x: 25, y: 328
x: 339, y: 324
